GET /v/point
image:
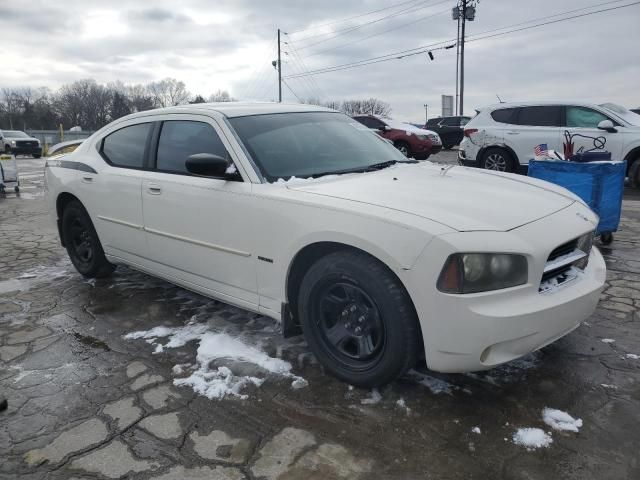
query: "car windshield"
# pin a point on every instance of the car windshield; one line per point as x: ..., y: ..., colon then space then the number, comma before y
x: 14, y: 134
x: 620, y: 111
x: 311, y: 144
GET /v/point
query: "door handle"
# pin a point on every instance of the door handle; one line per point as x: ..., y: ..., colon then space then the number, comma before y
x: 513, y: 133
x: 87, y: 178
x: 154, y: 189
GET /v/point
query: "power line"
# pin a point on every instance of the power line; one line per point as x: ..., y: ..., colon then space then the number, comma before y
x: 351, y: 18
x: 291, y: 90
x: 379, y: 33
x: 425, y: 48
x: 338, y: 33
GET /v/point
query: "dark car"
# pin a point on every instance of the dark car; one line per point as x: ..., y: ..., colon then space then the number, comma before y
x: 636, y: 110
x: 412, y: 141
x: 450, y: 129
x: 19, y: 143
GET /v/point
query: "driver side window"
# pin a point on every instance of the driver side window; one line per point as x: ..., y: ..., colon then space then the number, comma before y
x: 180, y: 139
x: 581, y: 117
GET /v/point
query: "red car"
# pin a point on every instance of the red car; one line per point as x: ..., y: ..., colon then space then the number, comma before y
x: 412, y: 141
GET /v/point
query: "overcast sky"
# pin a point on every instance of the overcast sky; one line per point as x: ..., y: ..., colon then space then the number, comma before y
x: 229, y: 44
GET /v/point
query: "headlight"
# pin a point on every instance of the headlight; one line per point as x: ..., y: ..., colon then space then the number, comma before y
x: 434, y: 138
x: 481, y: 272
x: 424, y: 138
x: 13, y: 142
x: 585, y: 243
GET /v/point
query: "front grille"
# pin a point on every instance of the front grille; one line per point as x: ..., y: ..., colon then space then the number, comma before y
x: 564, y: 261
x: 26, y: 143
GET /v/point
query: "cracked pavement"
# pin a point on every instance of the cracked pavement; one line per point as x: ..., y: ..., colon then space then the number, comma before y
x: 86, y: 403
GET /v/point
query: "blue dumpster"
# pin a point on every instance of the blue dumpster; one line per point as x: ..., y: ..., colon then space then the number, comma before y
x: 599, y: 184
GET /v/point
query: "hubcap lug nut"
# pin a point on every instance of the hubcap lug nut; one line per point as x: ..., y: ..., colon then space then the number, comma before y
x: 358, y: 329
x: 361, y: 319
x: 353, y: 308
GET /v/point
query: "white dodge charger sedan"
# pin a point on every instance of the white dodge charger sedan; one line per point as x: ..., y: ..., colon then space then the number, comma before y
x: 301, y: 214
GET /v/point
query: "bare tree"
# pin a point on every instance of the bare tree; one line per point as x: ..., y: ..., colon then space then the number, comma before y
x: 220, y: 96
x: 168, y: 92
x: 370, y: 106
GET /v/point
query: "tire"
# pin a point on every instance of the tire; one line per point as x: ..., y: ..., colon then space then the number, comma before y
x: 499, y: 160
x: 447, y: 147
x: 16, y: 189
x: 82, y: 242
x: 35, y: 155
x: 7, y: 149
x: 634, y: 173
x: 606, y: 238
x: 354, y: 288
x: 404, y: 148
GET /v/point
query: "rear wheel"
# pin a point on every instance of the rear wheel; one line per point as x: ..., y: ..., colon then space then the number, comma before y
x: 82, y: 243
x: 498, y: 159
x: 36, y: 155
x: 404, y: 148
x: 358, y: 319
x: 634, y: 173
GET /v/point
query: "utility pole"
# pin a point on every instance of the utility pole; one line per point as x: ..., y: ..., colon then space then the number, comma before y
x: 464, y: 22
x: 426, y: 113
x: 457, y: 63
x: 465, y: 10
x: 279, y: 71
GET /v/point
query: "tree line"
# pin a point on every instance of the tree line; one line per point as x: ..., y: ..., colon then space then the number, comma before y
x: 91, y: 105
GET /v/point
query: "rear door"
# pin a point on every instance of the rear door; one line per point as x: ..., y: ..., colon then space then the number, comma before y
x: 113, y: 196
x: 535, y: 125
x: 199, y: 229
x: 582, y: 124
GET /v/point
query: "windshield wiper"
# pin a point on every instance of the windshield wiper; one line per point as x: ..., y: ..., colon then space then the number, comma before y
x: 369, y: 168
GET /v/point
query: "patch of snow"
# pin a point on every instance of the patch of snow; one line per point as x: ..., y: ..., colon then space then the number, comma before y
x: 532, y: 438
x: 607, y: 340
x: 559, y: 420
x: 560, y: 281
x: 231, y: 169
x: 373, y: 399
x: 606, y: 385
x: 223, y: 350
x: 180, y: 368
x: 436, y: 385
x: 632, y: 356
x: 400, y: 403
x: 476, y: 430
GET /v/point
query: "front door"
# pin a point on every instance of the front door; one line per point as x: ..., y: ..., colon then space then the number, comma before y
x: 198, y: 229
x: 582, y: 124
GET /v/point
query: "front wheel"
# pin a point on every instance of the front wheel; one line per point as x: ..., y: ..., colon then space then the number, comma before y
x: 36, y: 155
x: 82, y: 242
x: 404, y: 148
x: 358, y: 319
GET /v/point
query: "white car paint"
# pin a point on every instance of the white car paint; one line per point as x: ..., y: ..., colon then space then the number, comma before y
x: 520, y: 140
x: 208, y: 235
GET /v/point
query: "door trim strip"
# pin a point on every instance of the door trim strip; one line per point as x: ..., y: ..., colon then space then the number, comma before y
x: 120, y: 222
x: 198, y: 242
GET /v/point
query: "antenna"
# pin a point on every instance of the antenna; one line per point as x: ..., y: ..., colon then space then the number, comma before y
x: 499, y: 99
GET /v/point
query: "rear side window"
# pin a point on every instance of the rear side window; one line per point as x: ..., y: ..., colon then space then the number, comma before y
x: 180, y: 139
x: 451, y: 122
x: 432, y: 122
x: 581, y: 117
x: 504, y: 115
x: 125, y: 147
x: 370, y: 122
x: 540, y: 116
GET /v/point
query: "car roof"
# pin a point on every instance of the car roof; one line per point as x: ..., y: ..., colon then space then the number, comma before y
x: 540, y: 103
x: 235, y: 109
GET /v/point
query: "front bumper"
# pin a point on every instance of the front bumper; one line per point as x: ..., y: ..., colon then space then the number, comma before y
x: 472, y: 332
x: 26, y: 150
x: 464, y: 161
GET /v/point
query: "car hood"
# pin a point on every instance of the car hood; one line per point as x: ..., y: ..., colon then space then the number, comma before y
x: 408, y: 128
x: 20, y: 138
x: 463, y: 199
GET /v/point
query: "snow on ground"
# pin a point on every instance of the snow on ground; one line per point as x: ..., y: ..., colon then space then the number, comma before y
x: 373, y: 399
x: 559, y: 420
x: 434, y: 384
x: 607, y: 340
x: 633, y: 356
x: 532, y: 438
x: 476, y: 430
x: 221, y: 360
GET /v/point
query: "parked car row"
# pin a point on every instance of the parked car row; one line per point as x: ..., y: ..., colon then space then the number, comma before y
x: 450, y: 129
x: 19, y: 143
x: 502, y: 137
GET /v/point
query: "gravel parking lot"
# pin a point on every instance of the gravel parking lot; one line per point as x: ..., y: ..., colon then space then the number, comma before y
x: 86, y: 401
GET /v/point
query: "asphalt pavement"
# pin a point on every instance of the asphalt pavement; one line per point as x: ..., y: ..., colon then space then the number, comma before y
x: 88, y: 397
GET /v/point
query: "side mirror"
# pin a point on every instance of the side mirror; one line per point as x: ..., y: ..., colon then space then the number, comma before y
x: 385, y: 128
x: 207, y: 165
x: 607, y: 125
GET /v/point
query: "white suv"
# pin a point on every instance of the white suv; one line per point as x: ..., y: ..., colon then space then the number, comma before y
x: 502, y: 137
